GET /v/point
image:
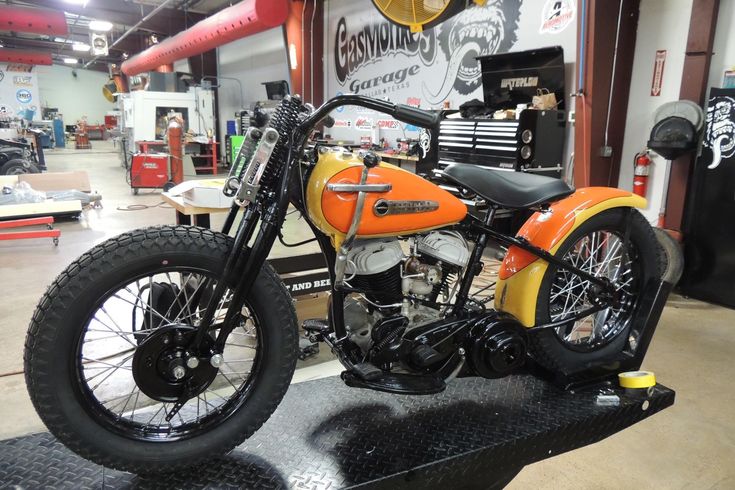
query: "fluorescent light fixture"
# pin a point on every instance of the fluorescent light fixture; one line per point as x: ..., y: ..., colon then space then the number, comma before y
x: 292, y: 56
x: 61, y: 40
x: 71, y: 61
x: 80, y: 47
x: 83, y: 3
x: 100, y: 25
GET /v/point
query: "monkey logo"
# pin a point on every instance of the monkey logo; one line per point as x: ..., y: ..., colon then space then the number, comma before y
x: 719, y: 135
x: 476, y: 31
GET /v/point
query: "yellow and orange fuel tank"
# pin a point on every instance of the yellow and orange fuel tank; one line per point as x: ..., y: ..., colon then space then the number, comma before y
x: 332, y: 212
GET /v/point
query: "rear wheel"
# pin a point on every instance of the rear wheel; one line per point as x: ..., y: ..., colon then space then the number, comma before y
x: 107, y: 360
x: 596, y: 247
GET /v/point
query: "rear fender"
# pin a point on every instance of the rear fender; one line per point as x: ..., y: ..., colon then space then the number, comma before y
x: 521, y: 273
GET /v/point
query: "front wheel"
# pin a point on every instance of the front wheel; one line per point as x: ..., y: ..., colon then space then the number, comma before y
x: 599, y: 248
x: 106, y: 357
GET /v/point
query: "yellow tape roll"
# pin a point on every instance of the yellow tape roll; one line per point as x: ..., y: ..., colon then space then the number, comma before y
x: 637, y: 379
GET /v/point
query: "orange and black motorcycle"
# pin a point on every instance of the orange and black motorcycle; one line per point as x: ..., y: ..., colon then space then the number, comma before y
x: 168, y: 345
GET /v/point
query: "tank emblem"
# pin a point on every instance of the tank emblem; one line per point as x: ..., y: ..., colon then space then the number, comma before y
x: 385, y: 207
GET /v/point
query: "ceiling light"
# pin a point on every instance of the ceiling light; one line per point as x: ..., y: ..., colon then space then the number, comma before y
x: 71, y: 61
x: 83, y: 3
x: 100, y: 25
x: 80, y: 47
x: 61, y: 40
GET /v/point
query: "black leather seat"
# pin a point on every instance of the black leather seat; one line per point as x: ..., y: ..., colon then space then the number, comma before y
x: 508, y: 189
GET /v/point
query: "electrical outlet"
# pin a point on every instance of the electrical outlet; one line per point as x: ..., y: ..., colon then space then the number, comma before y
x: 571, y: 117
x: 606, y: 151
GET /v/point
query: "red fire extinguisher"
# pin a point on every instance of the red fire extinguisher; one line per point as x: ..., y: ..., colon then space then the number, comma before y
x: 640, y: 173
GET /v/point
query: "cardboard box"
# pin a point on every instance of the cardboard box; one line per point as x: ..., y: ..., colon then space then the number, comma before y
x: 58, y: 181
x: 205, y: 193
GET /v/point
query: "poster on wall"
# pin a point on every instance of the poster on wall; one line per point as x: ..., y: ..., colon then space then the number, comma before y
x: 19, y: 92
x: 367, y: 55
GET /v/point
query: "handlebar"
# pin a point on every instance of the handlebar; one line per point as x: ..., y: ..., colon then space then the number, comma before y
x: 402, y: 112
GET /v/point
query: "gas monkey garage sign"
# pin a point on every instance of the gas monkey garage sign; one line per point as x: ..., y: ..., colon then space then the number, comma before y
x: 378, y: 59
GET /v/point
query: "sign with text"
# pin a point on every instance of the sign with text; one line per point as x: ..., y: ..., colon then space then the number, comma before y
x: 658, y: 72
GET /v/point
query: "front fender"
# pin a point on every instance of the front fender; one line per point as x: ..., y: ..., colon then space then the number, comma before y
x: 521, y: 273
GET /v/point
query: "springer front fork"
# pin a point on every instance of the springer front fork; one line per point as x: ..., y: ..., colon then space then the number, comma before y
x: 243, y: 263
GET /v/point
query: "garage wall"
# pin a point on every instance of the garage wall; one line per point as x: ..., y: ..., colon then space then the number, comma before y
x: 252, y: 60
x: 75, y: 97
x: 663, y: 24
x: 724, y: 46
x: 434, y: 58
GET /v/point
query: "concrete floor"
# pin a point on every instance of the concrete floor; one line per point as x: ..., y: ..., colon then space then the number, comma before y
x: 691, y: 445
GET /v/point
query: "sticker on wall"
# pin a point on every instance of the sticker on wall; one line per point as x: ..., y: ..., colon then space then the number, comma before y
x: 413, y: 101
x: 425, y: 142
x: 658, y: 72
x: 364, y: 124
x: 557, y: 15
x: 22, y: 81
x: 342, y: 123
x: 391, y: 124
x: 719, y: 135
x: 728, y: 78
x: 24, y: 96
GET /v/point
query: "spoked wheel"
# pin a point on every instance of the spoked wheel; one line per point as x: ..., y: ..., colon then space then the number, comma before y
x: 136, y: 372
x: 108, y: 361
x: 598, y: 247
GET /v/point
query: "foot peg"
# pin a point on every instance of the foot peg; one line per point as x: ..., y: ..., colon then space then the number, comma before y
x: 367, y: 371
x: 425, y: 356
x: 316, y: 329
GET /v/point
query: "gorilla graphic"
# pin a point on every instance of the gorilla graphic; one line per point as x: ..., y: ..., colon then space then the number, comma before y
x: 720, y: 133
x: 477, y: 31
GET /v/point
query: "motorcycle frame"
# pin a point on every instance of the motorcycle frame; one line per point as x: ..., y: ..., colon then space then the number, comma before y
x: 244, y: 262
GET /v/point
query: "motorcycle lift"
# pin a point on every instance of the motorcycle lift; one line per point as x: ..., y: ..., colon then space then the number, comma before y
x: 478, y: 433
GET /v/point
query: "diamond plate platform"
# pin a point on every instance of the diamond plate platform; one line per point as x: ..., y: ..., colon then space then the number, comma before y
x: 477, y: 434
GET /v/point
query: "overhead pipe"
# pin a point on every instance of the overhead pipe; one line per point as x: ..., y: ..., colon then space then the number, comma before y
x: 18, y: 19
x: 25, y: 57
x: 243, y: 19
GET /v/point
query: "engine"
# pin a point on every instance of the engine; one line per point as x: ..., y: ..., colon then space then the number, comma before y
x: 393, y: 278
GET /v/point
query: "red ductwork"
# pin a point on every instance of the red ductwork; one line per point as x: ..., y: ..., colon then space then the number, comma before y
x: 243, y: 19
x: 32, y: 20
x: 25, y: 57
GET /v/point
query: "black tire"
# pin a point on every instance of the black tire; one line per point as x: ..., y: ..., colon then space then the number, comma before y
x: 547, y: 347
x: 18, y: 166
x: 674, y: 255
x: 52, y: 340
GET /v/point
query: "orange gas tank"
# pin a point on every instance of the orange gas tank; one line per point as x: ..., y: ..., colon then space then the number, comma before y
x: 412, y: 205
